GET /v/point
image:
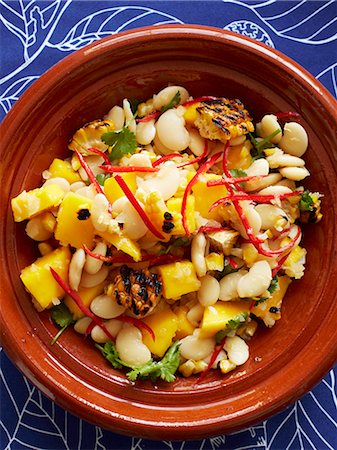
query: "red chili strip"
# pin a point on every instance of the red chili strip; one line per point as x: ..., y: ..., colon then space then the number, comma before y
x: 197, y: 159
x: 109, y: 259
x: 137, y: 323
x: 166, y: 158
x: 232, y: 262
x: 287, y: 115
x: 254, y: 198
x: 234, y: 180
x: 203, y: 168
x: 100, y: 153
x: 149, y: 117
x: 89, y: 172
x: 252, y: 304
x: 77, y: 299
x: 210, y: 229
x: 134, y: 202
x: 89, y: 328
x: 279, y: 265
x: 121, y: 169
x: 204, y: 98
x: 214, y: 356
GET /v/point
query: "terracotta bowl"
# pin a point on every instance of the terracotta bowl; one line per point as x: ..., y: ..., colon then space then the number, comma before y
x: 285, y: 361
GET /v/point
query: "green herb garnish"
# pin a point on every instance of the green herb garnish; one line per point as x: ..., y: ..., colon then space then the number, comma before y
x: 62, y: 317
x: 177, y: 243
x: 306, y: 202
x: 101, y: 177
x: 164, y: 369
x: 237, y: 173
x: 273, y: 285
x: 123, y: 142
x: 260, y: 146
x: 173, y: 102
x: 134, y: 105
x: 231, y: 325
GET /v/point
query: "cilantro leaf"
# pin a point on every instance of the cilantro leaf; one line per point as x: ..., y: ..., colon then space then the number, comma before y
x: 134, y: 105
x: 123, y: 142
x: 62, y: 317
x: 101, y: 177
x: 174, y: 101
x: 110, y: 353
x: 238, y: 173
x: 164, y: 369
x: 306, y: 202
x: 260, y: 146
x: 183, y: 241
x: 231, y: 325
x: 259, y: 300
x: 273, y: 285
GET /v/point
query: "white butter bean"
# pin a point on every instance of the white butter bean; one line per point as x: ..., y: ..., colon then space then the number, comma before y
x: 160, y: 147
x: 294, y: 140
x: 258, y: 167
x: 270, y: 214
x: 61, y: 182
x: 171, y: 131
x: 192, y: 347
x: 75, y: 268
x: 99, y: 213
x: 197, y: 142
x: 112, y: 325
x: 239, y: 140
x: 93, y: 265
x: 294, y: 173
x: 237, y: 350
x: 145, y: 132
x: 87, y: 192
x: 195, y: 314
x: 82, y: 324
x: 77, y: 185
x: 88, y: 280
x: 130, y: 347
x: 275, y: 190
x: 134, y: 227
x: 116, y: 114
x: 228, y: 285
x: 129, y: 119
x: 285, y: 160
x: 35, y: 230
x: 165, y: 96
x: 256, y: 185
x: 198, y: 249
x: 166, y: 181
x: 209, y: 290
x: 270, y: 124
x: 93, y: 161
x: 256, y: 281
x: 105, y: 307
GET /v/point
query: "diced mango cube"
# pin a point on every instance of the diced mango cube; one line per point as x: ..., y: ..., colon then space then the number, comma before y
x: 63, y: 169
x: 39, y: 281
x: 185, y: 328
x: 215, y: 261
x: 217, y: 316
x: 48, y: 221
x: 239, y: 156
x: 69, y: 228
x: 112, y: 189
x: 205, y: 196
x: 174, y: 205
x: 87, y: 295
x: 123, y: 243
x: 29, y: 204
x: 164, y: 325
x: 270, y: 310
x: 191, y: 113
x: 178, y: 279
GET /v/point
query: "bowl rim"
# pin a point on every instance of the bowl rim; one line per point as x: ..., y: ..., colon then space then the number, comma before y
x: 42, y: 374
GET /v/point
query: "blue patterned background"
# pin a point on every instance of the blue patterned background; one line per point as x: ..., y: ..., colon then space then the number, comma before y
x: 37, y: 34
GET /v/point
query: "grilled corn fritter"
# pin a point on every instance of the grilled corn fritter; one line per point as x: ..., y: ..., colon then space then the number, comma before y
x: 137, y: 290
x: 223, y: 119
x: 89, y: 136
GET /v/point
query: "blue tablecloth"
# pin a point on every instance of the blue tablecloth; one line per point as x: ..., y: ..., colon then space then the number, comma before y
x: 37, y: 34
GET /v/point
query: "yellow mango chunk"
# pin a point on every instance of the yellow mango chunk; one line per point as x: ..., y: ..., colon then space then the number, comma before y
x: 28, y: 204
x: 112, y: 189
x: 164, y: 325
x: 178, y: 279
x: 191, y: 113
x: 39, y: 281
x: 87, y: 295
x: 239, y: 156
x: 262, y: 310
x: 215, y: 261
x: 63, y: 169
x: 71, y: 230
x: 174, y: 205
x: 205, y: 196
x: 123, y: 243
x: 48, y: 221
x: 185, y: 328
x: 217, y: 316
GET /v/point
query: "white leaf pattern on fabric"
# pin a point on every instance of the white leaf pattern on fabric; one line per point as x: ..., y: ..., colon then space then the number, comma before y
x: 13, y: 92
x: 251, y: 30
x: 328, y: 77
x: 109, y: 21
